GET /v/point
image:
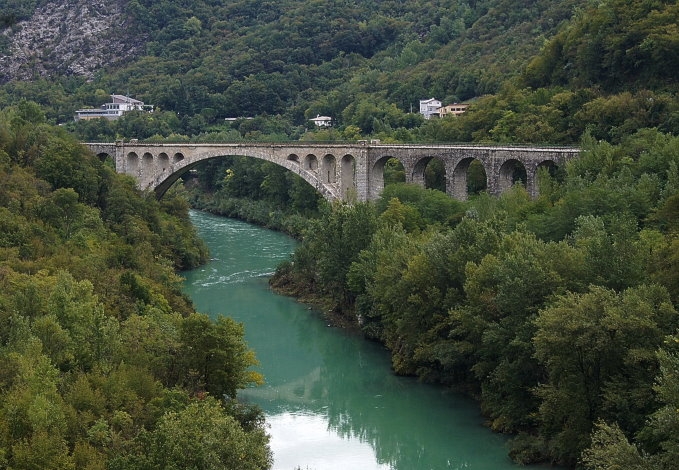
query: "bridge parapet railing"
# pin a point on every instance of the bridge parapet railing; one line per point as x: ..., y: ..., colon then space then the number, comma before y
x: 298, y: 143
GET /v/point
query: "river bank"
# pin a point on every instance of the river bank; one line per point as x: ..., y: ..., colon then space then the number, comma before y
x: 330, y: 396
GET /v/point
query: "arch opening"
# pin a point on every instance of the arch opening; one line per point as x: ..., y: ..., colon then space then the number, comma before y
x: 430, y: 172
x: 329, y: 169
x: 246, y: 176
x: 163, y: 162
x: 386, y: 170
x: 554, y: 171
x: 511, y: 172
x: 477, y: 179
x: 107, y: 159
x: 132, y: 163
x: 348, y: 177
x: 469, y: 178
x: 393, y: 171
x: 311, y: 162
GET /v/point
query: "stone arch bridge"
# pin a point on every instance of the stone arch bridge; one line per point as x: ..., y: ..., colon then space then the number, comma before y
x: 344, y: 171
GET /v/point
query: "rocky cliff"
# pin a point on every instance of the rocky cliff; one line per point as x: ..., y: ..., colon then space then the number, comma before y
x: 69, y: 37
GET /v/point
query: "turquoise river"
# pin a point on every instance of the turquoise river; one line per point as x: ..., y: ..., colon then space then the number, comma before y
x: 330, y: 399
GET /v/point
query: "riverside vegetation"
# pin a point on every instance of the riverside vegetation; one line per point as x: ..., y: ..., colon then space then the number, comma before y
x: 558, y: 313
x: 103, y: 361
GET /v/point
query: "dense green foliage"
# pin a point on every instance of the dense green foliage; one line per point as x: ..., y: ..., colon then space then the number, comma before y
x: 535, y: 71
x: 12, y: 11
x: 364, y: 63
x: 555, y: 312
x: 103, y: 363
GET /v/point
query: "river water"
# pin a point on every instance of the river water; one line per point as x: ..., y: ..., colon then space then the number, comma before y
x: 330, y: 399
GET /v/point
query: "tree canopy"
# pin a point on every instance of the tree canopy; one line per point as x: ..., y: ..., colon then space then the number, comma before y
x: 102, y: 358
x: 554, y: 312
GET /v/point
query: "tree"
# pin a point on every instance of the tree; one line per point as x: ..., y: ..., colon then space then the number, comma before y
x: 93, y: 324
x: 214, y: 357
x: 335, y: 242
x: 599, y: 352
x: 504, y: 291
x: 66, y: 164
x: 203, y: 436
x: 434, y: 207
x: 656, y: 446
x: 374, y: 278
x: 610, y: 449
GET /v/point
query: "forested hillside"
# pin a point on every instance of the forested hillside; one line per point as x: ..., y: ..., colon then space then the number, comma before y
x: 547, y: 71
x: 103, y: 362
x: 364, y: 63
x: 535, y: 71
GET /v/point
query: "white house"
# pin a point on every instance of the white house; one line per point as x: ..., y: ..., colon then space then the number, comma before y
x: 430, y: 107
x: 322, y: 121
x: 118, y: 106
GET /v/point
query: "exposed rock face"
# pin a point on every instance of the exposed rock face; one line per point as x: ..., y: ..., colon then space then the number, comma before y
x: 70, y: 37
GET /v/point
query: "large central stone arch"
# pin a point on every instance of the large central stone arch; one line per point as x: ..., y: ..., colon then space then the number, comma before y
x: 309, y: 174
x: 159, y: 166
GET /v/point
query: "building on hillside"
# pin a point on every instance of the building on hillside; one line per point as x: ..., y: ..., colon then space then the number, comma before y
x: 455, y: 109
x: 118, y: 106
x: 429, y: 108
x: 322, y: 121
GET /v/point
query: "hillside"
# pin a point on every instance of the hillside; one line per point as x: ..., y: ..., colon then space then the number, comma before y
x: 535, y: 71
x: 245, y: 58
x: 62, y: 39
x: 99, y: 347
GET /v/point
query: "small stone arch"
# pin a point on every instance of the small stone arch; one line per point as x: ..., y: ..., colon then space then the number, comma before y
x: 178, y: 157
x: 347, y: 175
x: 163, y: 162
x: 311, y: 162
x: 422, y: 169
x: 417, y: 176
x: 511, y: 172
x: 377, y: 174
x: 293, y: 158
x: 107, y: 159
x: 148, y: 163
x: 328, y: 169
x: 550, y: 165
x: 132, y: 163
x: 458, y: 183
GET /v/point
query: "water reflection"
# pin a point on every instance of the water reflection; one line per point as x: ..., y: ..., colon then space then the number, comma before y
x: 330, y: 398
x: 347, y: 382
